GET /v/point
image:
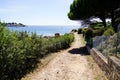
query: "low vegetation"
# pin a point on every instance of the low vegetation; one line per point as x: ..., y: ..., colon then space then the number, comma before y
x: 20, y: 52
x: 97, y: 29
x: 97, y: 72
x: 109, y: 32
x: 103, y: 39
x: 109, y: 45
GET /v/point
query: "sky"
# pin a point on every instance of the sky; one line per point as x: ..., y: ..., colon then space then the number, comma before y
x: 36, y: 12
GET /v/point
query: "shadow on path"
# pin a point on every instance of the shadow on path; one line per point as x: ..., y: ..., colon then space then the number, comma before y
x: 82, y: 51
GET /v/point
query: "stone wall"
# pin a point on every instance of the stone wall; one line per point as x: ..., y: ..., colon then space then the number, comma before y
x: 110, y: 65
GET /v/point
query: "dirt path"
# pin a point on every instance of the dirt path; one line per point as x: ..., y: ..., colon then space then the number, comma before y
x: 70, y: 64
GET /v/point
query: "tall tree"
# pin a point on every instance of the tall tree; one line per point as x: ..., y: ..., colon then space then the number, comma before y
x: 79, y: 10
x: 85, y: 9
x: 113, y: 8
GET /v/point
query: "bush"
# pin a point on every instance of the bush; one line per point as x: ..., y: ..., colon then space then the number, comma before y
x: 109, y: 45
x: 80, y: 30
x: 109, y: 32
x: 55, y: 44
x: 74, y: 30
x: 98, y: 32
x: 20, y: 52
x: 96, y: 25
x: 89, y: 36
x: 89, y: 33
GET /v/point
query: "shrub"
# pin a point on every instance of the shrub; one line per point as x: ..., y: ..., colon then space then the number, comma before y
x: 74, y: 30
x: 89, y: 33
x: 109, y: 31
x: 55, y: 44
x: 80, y: 30
x: 57, y: 35
x: 98, y: 32
x: 20, y: 52
x: 88, y: 36
x: 109, y: 45
x: 96, y: 25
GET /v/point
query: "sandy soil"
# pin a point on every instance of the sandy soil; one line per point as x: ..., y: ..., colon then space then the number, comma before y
x: 70, y: 64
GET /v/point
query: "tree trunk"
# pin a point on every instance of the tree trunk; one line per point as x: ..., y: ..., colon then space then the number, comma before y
x: 113, y: 21
x: 104, y: 22
x: 103, y: 18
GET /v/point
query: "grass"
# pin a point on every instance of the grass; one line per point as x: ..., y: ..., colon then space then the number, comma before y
x: 98, y: 73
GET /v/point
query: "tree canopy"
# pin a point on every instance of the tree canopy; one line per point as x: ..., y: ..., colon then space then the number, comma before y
x: 85, y: 9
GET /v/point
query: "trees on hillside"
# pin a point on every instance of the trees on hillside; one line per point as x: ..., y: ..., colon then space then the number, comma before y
x: 85, y: 9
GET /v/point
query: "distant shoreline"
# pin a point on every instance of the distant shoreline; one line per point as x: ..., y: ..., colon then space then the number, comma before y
x: 45, y: 30
x: 14, y: 24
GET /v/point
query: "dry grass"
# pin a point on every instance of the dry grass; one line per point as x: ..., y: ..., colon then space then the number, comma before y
x: 98, y: 73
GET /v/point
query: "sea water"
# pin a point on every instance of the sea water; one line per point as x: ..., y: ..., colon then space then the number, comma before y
x: 45, y: 30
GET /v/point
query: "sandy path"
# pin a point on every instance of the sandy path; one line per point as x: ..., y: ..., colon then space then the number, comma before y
x: 70, y: 64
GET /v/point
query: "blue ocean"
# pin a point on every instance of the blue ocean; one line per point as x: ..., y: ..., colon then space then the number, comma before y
x: 45, y: 30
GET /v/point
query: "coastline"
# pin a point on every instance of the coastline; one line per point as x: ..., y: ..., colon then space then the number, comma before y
x: 45, y: 30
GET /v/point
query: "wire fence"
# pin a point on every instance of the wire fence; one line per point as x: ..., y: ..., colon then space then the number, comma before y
x: 108, y: 45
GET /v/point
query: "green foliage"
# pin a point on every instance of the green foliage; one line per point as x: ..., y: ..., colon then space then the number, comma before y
x: 98, y: 32
x: 20, y: 52
x: 55, y: 44
x: 82, y: 31
x: 89, y: 36
x: 89, y: 33
x: 98, y: 29
x: 79, y: 10
x: 74, y: 30
x: 96, y: 25
x: 109, y: 32
x: 108, y: 45
x: 87, y: 9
